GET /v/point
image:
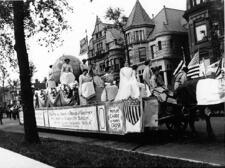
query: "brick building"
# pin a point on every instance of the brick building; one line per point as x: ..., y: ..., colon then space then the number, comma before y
x: 206, y: 28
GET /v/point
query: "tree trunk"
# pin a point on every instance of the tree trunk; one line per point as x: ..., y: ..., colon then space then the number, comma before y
x: 30, y: 128
x: 3, y: 86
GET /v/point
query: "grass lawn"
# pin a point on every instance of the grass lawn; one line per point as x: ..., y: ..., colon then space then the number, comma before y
x: 70, y: 154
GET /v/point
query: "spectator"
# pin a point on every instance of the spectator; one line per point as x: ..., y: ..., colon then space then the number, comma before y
x: 1, y: 115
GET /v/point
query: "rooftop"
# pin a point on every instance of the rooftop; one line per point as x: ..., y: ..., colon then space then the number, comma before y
x: 168, y: 20
x: 138, y: 17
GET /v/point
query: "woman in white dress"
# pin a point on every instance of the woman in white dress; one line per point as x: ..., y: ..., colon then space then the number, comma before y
x: 67, y: 76
x: 83, y: 79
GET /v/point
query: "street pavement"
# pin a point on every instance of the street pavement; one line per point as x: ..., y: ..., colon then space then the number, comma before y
x: 161, y: 143
x: 10, y: 159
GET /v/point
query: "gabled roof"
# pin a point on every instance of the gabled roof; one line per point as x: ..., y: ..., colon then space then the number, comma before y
x: 99, y: 25
x: 167, y: 21
x: 113, y: 34
x: 138, y: 17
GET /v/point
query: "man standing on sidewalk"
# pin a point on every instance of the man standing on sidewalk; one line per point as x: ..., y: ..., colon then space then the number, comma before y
x: 1, y: 115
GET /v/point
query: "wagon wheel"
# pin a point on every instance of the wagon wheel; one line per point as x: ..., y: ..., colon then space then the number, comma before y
x: 177, y: 125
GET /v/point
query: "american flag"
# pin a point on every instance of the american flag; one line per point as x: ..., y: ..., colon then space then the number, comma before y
x: 179, y: 67
x: 220, y: 67
x: 194, y: 67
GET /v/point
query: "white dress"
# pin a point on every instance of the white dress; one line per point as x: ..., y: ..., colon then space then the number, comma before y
x: 67, y: 76
x: 128, y: 86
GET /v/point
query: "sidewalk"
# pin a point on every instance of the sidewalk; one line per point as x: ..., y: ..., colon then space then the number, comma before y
x: 11, y: 159
x: 198, y: 150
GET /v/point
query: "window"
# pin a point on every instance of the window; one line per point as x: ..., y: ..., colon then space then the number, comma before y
x: 117, y: 64
x: 131, y: 56
x: 102, y: 67
x: 198, y: 2
x: 107, y: 64
x: 159, y: 45
x: 153, y: 51
x: 140, y: 74
x: 99, y: 34
x: 171, y: 43
x: 142, y: 54
x: 141, y: 35
x: 107, y: 46
x: 201, y: 33
x: 99, y: 46
x: 216, y: 28
x: 136, y: 36
x: 128, y: 38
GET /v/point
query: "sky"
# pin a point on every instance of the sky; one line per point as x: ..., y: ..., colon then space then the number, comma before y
x: 83, y: 18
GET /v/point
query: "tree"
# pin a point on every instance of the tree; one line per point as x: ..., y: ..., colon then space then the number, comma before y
x: 120, y: 21
x: 13, y: 84
x: 27, y: 19
x: 3, y: 76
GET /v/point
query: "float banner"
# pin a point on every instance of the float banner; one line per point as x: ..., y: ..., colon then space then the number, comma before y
x: 79, y: 118
x: 133, y: 114
x: 151, y: 111
x: 39, y: 116
x: 115, y: 118
x: 102, y: 118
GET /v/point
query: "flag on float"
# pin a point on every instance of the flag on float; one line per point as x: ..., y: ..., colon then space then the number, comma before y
x: 203, y: 68
x: 181, y: 65
x: 84, y: 45
x: 194, y: 67
x: 214, y: 68
x: 221, y: 66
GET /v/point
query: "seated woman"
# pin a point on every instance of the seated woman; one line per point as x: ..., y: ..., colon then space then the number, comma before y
x: 67, y: 76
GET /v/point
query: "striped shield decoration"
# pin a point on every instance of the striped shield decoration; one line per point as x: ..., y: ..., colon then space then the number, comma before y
x: 132, y: 111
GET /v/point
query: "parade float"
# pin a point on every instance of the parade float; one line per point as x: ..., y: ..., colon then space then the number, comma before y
x: 57, y: 107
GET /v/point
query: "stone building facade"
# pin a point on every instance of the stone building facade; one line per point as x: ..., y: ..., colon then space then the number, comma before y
x: 105, y: 48
x: 159, y: 39
x: 206, y: 28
